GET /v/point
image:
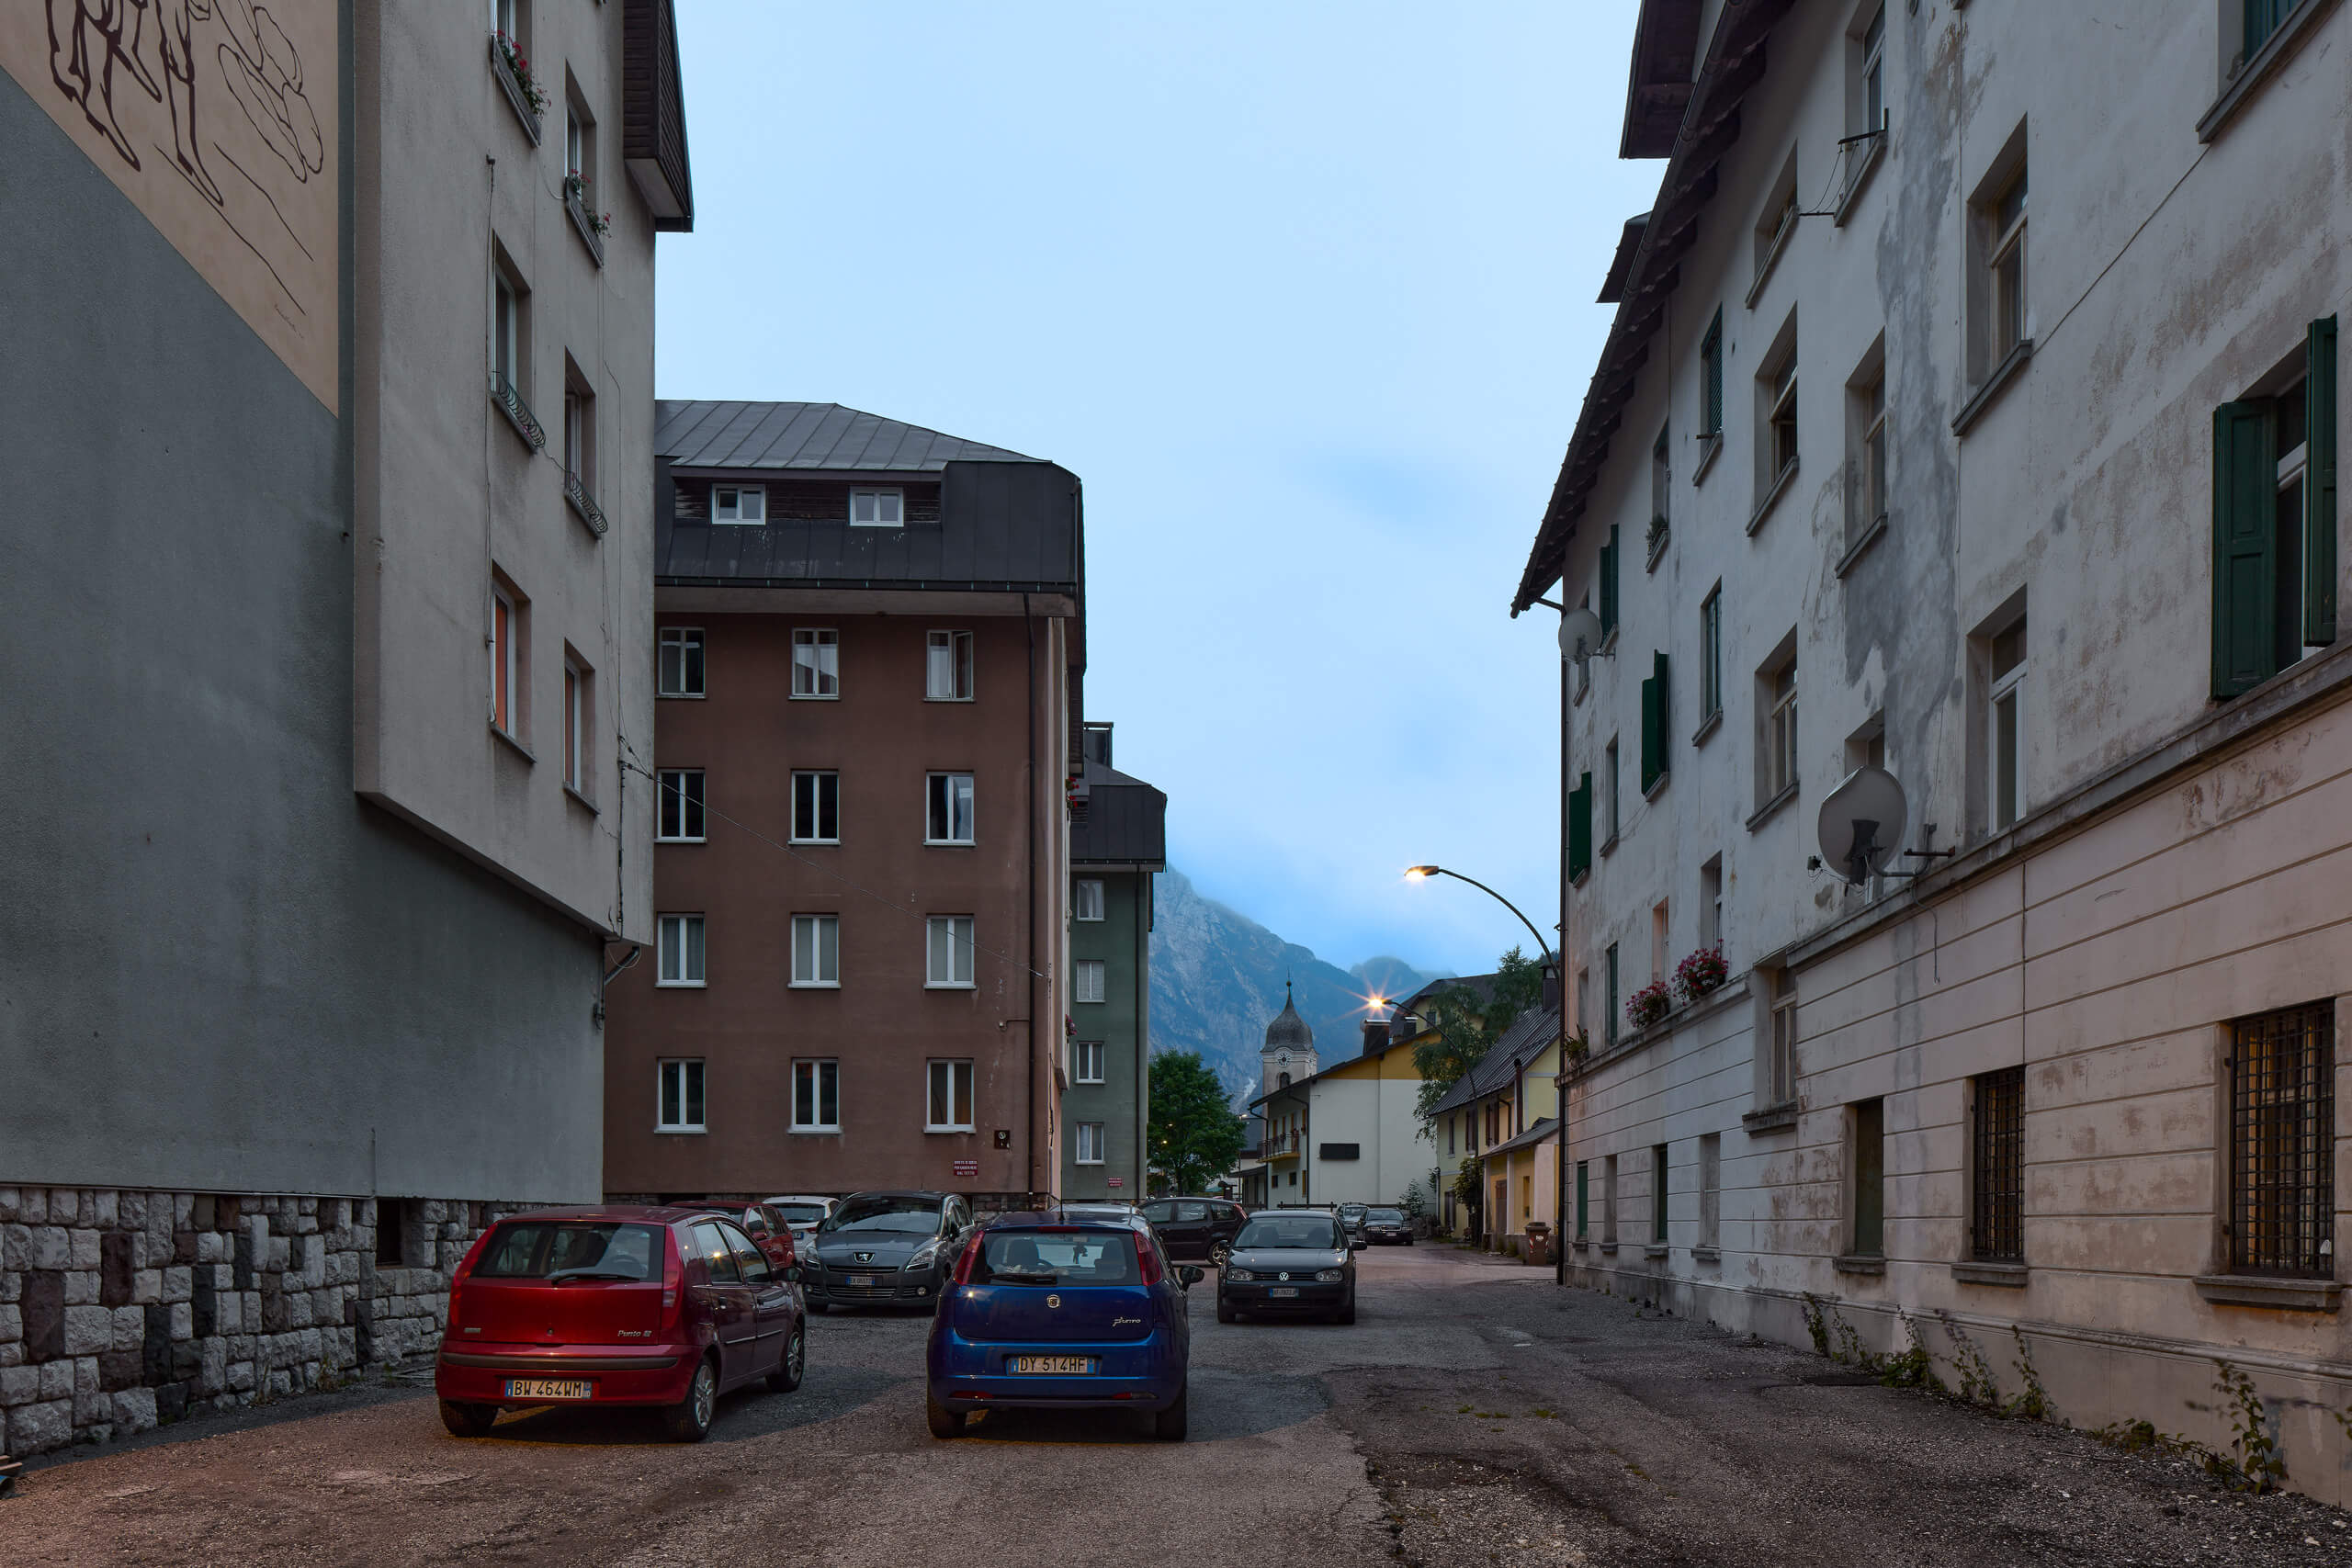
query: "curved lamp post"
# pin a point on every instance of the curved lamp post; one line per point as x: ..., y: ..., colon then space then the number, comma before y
x: 1422, y: 872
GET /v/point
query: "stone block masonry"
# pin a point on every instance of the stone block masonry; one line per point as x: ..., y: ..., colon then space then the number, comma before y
x: 122, y: 1309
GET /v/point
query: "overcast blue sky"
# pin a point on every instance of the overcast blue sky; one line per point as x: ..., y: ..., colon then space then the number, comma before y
x: 1303, y: 292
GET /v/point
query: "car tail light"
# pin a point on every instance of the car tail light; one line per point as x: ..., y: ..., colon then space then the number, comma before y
x: 465, y: 1271
x: 674, y: 1279
x: 1147, y: 1260
x: 970, y: 1261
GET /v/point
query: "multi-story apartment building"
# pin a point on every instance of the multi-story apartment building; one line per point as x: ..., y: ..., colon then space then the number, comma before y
x: 868, y: 655
x: 1118, y: 840
x: 2032, y: 503
x: 321, y: 651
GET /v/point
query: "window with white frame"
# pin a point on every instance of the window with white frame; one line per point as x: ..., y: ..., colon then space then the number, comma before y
x: 1780, y: 1067
x: 1711, y: 654
x: 1873, y: 74
x: 2006, y: 214
x: 1090, y: 1143
x: 948, y: 1103
x: 1089, y: 1064
x: 1779, y: 432
x: 1776, y: 729
x: 877, y: 508
x: 817, y: 950
x: 948, y: 952
x: 817, y: 1095
x: 1089, y: 979
x: 680, y: 947
x: 948, y: 814
x: 1089, y: 900
x: 2004, y: 726
x: 816, y: 662
x: 678, y: 1096
x: 1711, y: 903
x: 1866, y: 444
x: 680, y: 668
x: 579, y: 431
x: 947, y: 668
x: 509, y: 674
x: 816, y: 806
x: 508, y: 348
x: 1609, y: 781
x: 678, y: 814
x: 739, y: 504
x: 579, y: 710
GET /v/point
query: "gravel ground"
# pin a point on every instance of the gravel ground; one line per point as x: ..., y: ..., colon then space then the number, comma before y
x: 1474, y: 1414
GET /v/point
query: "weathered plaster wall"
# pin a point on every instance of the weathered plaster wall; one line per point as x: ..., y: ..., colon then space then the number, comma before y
x: 1121, y: 939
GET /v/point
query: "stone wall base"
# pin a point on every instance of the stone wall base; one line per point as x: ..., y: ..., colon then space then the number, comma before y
x: 124, y: 1308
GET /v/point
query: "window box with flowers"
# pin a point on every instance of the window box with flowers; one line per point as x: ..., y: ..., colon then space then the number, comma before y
x: 1648, y: 1005
x: 593, y: 225
x: 1700, y: 973
x: 523, y: 89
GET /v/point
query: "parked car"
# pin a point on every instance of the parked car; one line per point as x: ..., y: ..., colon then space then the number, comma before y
x: 803, y: 1214
x: 1290, y: 1262
x: 666, y: 1307
x: 880, y: 1248
x: 1386, y: 1227
x: 1352, y: 1216
x: 765, y: 1225
x: 1195, y: 1227
x: 1061, y: 1311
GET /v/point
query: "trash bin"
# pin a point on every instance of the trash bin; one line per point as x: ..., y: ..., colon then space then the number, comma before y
x: 1539, y: 1244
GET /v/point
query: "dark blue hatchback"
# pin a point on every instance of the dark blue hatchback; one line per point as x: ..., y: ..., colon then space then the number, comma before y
x: 1061, y: 1312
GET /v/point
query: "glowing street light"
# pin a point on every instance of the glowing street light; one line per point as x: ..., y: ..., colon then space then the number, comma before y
x: 1423, y: 873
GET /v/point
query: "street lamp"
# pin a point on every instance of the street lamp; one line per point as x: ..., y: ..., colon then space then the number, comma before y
x: 1423, y: 873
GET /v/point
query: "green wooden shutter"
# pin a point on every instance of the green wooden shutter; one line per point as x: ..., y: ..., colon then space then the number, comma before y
x: 2319, y: 485
x: 1653, y: 734
x: 1609, y: 583
x: 1584, y: 1203
x: 2246, y: 563
x: 1665, y: 712
x: 1580, y: 829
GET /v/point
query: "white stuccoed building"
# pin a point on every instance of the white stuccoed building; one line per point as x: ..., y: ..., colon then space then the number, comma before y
x: 1970, y: 412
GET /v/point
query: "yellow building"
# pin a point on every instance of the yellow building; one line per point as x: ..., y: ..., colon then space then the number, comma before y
x: 1503, y: 1115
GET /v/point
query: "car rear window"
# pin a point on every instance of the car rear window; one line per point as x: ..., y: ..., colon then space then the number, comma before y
x: 1058, y: 1258
x: 1385, y: 1217
x: 1265, y: 1231
x: 800, y: 1214
x: 919, y: 1216
x: 550, y: 1249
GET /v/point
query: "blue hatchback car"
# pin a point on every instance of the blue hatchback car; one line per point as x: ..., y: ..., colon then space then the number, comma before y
x: 1055, y: 1310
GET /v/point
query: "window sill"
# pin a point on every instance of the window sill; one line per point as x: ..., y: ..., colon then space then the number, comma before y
x: 815, y: 697
x: 506, y: 79
x: 2012, y: 366
x: 1781, y: 483
x: 1608, y: 844
x: 1764, y: 812
x: 585, y: 228
x: 1655, y: 1249
x: 947, y: 843
x: 803, y: 843
x: 2284, y: 40
x: 1858, y: 1263
x: 503, y: 734
x: 682, y: 840
x: 812, y: 985
x: 947, y: 1129
x: 1657, y: 549
x: 1608, y: 648
x: 680, y: 1132
x: 1706, y: 1255
x: 1580, y: 878
x: 1771, y: 260
x: 1607, y: 1249
x: 2268, y: 1291
x: 815, y: 1131
x: 1778, y: 1118
x: 583, y: 800
x: 583, y: 505
x: 1862, y: 177
x: 948, y: 985
x: 682, y: 984
x: 2010, y: 1276
x: 1711, y: 447
x: 679, y: 696
x: 1870, y: 537
x: 508, y: 398
x: 1657, y: 785
x: 1707, y: 726
x: 932, y: 699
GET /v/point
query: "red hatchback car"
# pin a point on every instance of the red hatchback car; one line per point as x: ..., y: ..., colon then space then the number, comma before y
x: 659, y: 1307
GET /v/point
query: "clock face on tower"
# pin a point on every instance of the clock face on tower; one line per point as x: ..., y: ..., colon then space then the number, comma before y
x: 1283, y: 1060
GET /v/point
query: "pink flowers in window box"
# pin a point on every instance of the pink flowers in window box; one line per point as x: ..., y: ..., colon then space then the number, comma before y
x: 1700, y: 973
x: 1648, y: 1005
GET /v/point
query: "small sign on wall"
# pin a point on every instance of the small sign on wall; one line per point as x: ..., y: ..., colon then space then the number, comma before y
x: 967, y: 1167
x: 1118, y: 1181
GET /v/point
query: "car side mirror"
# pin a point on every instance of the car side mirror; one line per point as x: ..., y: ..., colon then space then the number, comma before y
x: 1190, y: 1275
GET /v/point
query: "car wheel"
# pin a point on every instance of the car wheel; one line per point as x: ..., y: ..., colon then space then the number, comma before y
x: 1220, y: 1253
x: 945, y: 1423
x: 1225, y: 1313
x: 1169, y: 1425
x: 786, y: 1376
x: 467, y: 1420
x: 1347, y: 1313
x: 689, y: 1420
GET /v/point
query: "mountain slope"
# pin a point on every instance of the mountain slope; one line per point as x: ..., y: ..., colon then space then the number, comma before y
x: 1216, y: 982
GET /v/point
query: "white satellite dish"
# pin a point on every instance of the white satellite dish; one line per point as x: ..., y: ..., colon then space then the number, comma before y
x: 1579, y: 635
x: 1862, y: 824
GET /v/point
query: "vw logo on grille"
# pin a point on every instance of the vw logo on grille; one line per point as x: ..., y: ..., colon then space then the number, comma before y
x: 1286, y: 1276
x: 1053, y: 1301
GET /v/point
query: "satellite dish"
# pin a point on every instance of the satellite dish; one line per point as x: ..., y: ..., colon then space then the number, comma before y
x: 1862, y: 824
x: 1579, y: 634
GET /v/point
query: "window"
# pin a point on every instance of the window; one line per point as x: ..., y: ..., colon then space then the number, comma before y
x: 1584, y: 1000
x: 948, y: 961
x: 816, y: 1097
x: 392, y: 1217
x: 1656, y: 714
x: 1089, y: 901
x: 1089, y: 1144
x: 681, y: 951
x: 816, y: 807
x: 1609, y: 772
x: 1450, y: 1129
x: 1780, y: 1064
x: 1778, y: 221
x: 1996, y: 1216
x: 1711, y: 903
x: 1609, y: 980
x: 1089, y: 1061
x: 1584, y: 1199
x: 1866, y: 446
x: 1866, y: 1124
x: 947, y: 668
x: 816, y: 662
x: 1873, y: 83
x: 579, y: 713
x: 1776, y: 739
x: 678, y: 814
x: 949, y: 1106
x: 1580, y: 829
x: 2004, y: 736
x: 509, y: 336
x: 877, y: 508
x: 1659, y: 925
x: 739, y: 504
x: 1661, y: 483
x: 1089, y: 979
x: 680, y: 669
x: 1609, y: 1200
x: 1711, y: 654
x: 679, y: 1096
x: 948, y: 819
x: 2261, y: 19
x: 2006, y: 212
x: 2274, y: 520
x: 577, y: 131
x: 2282, y: 1152
x: 509, y: 667
x: 578, y: 432
x: 1710, y: 1190
x: 1776, y: 440
x: 1710, y: 379
x: 1657, y: 1194
x: 1608, y: 573
x: 817, y: 949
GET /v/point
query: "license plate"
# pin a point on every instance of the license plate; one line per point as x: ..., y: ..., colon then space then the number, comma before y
x: 1055, y: 1366
x: 551, y: 1388
x: 861, y: 1282
x: 1280, y: 1291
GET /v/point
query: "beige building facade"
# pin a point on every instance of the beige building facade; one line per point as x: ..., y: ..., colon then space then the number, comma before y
x: 2057, y: 547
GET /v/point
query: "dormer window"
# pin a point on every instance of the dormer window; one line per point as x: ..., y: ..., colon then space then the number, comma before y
x: 739, y: 504
x: 877, y: 508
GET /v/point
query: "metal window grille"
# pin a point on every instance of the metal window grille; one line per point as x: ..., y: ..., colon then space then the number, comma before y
x: 2282, y: 1156
x: 1997, y: 1221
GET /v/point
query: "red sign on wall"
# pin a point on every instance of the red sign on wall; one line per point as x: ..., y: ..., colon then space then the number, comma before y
x: 1118, y: 1181
x: 967, y: 1167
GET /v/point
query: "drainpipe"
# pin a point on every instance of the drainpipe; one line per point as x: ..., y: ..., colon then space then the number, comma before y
x: 1029, y: 835
x: 1560, y: 1095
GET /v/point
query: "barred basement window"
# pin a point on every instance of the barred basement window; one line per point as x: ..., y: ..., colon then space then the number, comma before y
x: 1996, y: 1217
x: 2282, y: 1152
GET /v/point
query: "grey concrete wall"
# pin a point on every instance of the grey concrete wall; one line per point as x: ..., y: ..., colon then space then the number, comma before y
x: 223, y: 971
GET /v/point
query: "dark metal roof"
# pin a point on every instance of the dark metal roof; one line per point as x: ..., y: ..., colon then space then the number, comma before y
x: 1288, y: 1028
x: 1125, y: 823
x: 1521, y: 1044
x: 1536, y: 1132
x: 1612, y: 288
x: 818, y: 436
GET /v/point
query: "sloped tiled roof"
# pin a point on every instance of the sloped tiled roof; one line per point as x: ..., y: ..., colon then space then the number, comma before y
x: 816, y: 437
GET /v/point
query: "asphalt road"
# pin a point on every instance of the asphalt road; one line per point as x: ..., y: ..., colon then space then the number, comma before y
x: 1474, y: 1414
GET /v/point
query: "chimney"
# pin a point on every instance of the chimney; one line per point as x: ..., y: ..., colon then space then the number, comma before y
x: 1376, y: 1035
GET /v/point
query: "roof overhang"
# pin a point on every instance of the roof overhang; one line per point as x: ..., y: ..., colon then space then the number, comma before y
x: 1666, y: 51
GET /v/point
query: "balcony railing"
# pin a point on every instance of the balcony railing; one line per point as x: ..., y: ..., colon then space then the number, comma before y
x: 1857, y: 155
x: 583, y: 503
x: 518, y: 414
x: 1283, y: 1145
x: 521, y: 90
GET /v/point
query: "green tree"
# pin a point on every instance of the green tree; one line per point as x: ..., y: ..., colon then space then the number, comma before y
x: 1195, y: 1136
x: 1467, y: 1025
